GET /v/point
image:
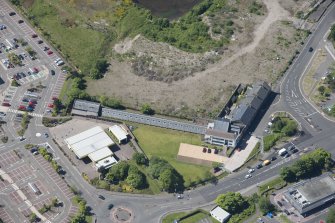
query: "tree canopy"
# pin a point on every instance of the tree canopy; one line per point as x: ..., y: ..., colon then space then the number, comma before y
x: 331, y: 216
x: 309, y: 165
x: 140, y: 159
x: 232, y: 202
x: 118, y: 172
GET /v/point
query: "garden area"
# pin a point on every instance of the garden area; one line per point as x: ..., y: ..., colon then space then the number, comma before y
x: 282, y: 127
x: 190, y: 217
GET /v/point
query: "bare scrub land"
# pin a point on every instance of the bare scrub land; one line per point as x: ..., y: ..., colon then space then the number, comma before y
x: 186, y: 67
x: 204, y: 92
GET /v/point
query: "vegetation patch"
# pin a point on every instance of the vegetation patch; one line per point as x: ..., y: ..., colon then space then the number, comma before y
x: 164, y: 143
x: 238, y: 206
x: 310, y: 165
x: 24, y: 123
x: 191, y: 217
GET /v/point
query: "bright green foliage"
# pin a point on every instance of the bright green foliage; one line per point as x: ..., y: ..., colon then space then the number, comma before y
x: 232, y: 202
x: 332, y: 33
x: 136, y: 178
x: 311, y: 164
x: 147, y: 110
x: 118, y: 172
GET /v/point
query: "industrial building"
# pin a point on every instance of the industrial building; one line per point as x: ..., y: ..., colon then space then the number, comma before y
x: 120, y: 133
x: 93, y: 143
x: 224, y: 131
x: 310, y: 194
x: 219, y: 214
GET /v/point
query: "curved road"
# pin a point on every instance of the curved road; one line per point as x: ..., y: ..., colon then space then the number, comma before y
x: 151, y: 208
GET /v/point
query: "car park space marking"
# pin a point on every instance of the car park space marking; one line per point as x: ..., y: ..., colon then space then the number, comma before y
x: 14, y: 196
x: 8, y: 158
x: 21, y: 173
x: 5, y: 217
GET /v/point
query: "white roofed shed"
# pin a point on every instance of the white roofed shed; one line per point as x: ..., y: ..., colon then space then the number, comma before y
x: 119, y: 133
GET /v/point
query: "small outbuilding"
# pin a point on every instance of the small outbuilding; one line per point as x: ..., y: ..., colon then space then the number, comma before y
x: 120, y: 133
x: 219, y: 214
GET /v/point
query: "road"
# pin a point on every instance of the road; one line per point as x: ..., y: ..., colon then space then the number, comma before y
x: 148, y: 208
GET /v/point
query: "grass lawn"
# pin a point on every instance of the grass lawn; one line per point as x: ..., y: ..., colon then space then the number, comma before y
x: 272, y: 184
x: 164, y: 143
x: 77, y: 42
x: 197, y: 217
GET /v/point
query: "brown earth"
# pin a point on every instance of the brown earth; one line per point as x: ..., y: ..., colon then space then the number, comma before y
x: 204, y: 93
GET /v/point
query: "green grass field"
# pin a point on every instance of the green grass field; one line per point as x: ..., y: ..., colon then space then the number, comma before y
x: 78, y: 43
x: 197, y: 217
x: 164, y: 143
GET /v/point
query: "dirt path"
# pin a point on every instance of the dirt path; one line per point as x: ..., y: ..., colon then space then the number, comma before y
x: 275, y: 13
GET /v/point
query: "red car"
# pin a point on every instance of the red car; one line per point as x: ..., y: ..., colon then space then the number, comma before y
x: 35, y: 70
x: 34, y: 35
x: 31, y: 103
x: 5, y: 104
x: 50, y: 105
x: 50, y: 52
x: 22, y: 107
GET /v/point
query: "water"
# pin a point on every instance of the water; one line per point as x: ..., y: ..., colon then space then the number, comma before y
x: 170, y: 9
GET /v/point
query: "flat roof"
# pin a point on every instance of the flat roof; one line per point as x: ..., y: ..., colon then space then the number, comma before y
x: 317, y: 189
x: 106, y: 163
x: 221, y: 134
x: 192, y: 151
x: 219, y: 213
x: 89, y: 141
x: 83, y: 135
x: 86, y: 105
x: 118, y: 132
x: 100, y: 154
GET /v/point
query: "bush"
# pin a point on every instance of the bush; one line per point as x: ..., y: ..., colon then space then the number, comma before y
x: 147, y: 110
x: 140, y: 159
x: 265, y: 205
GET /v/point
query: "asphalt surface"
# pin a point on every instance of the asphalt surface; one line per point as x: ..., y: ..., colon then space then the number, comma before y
x: 318, y: 133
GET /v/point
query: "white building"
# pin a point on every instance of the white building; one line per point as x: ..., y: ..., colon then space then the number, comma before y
x: 93, y: 143
x: 220, y: 214
x: 106, y: 163
x: 119, y: 133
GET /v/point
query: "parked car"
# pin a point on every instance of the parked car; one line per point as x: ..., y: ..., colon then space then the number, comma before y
x: 266, y: 162
x: 259, y: 166
x: 247, y: 176
x: 291, y: 147
x: 5, y: 104
x: 52, y: 72
x: 12, y: 13
x: 46, y: 135
x: 20, y: 21
x: 46, y: 48
x: 251, y: 170
x: 40, y: 41
x: 50, y: 52
x: 34, y: 35
x: 101, y: 197
x: 273, y: 158
x: 287, y: 155
x: 294, y: 151
x: 50, y: 105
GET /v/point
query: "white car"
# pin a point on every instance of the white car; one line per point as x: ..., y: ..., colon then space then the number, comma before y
x: 251, y: 170
x: 58, y: 59
x: 247, y: 176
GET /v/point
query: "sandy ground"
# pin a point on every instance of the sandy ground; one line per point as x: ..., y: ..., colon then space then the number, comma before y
x: 205, y: 92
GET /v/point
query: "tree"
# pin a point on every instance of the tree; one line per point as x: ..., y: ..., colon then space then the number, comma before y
x: 136, y: 178
x: 170, y: 180
x: 14, y: 59
x: 277, y: 125
x: 331, y: 216
x: 332, y: 33
x: 15, y: 83
x: 156, y: 166
x: 80, y: 218
x: 33, y: 217
x: 265, y: 205
x: 288, y: 174
x: 322, y: 89
x: 147, y: 110
x: 140, y: 159
x: 118, y: 172
x: 290, y: 128
x: 232, y: 202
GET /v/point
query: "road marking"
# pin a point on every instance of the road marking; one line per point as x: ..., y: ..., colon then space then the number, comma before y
x: 329, y: 51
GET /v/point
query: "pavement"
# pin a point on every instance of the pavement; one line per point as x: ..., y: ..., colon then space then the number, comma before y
x: 318, y: 130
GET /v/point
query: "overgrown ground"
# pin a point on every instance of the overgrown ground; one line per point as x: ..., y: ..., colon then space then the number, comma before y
x: 195, y: 62
x: 165, y: 143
